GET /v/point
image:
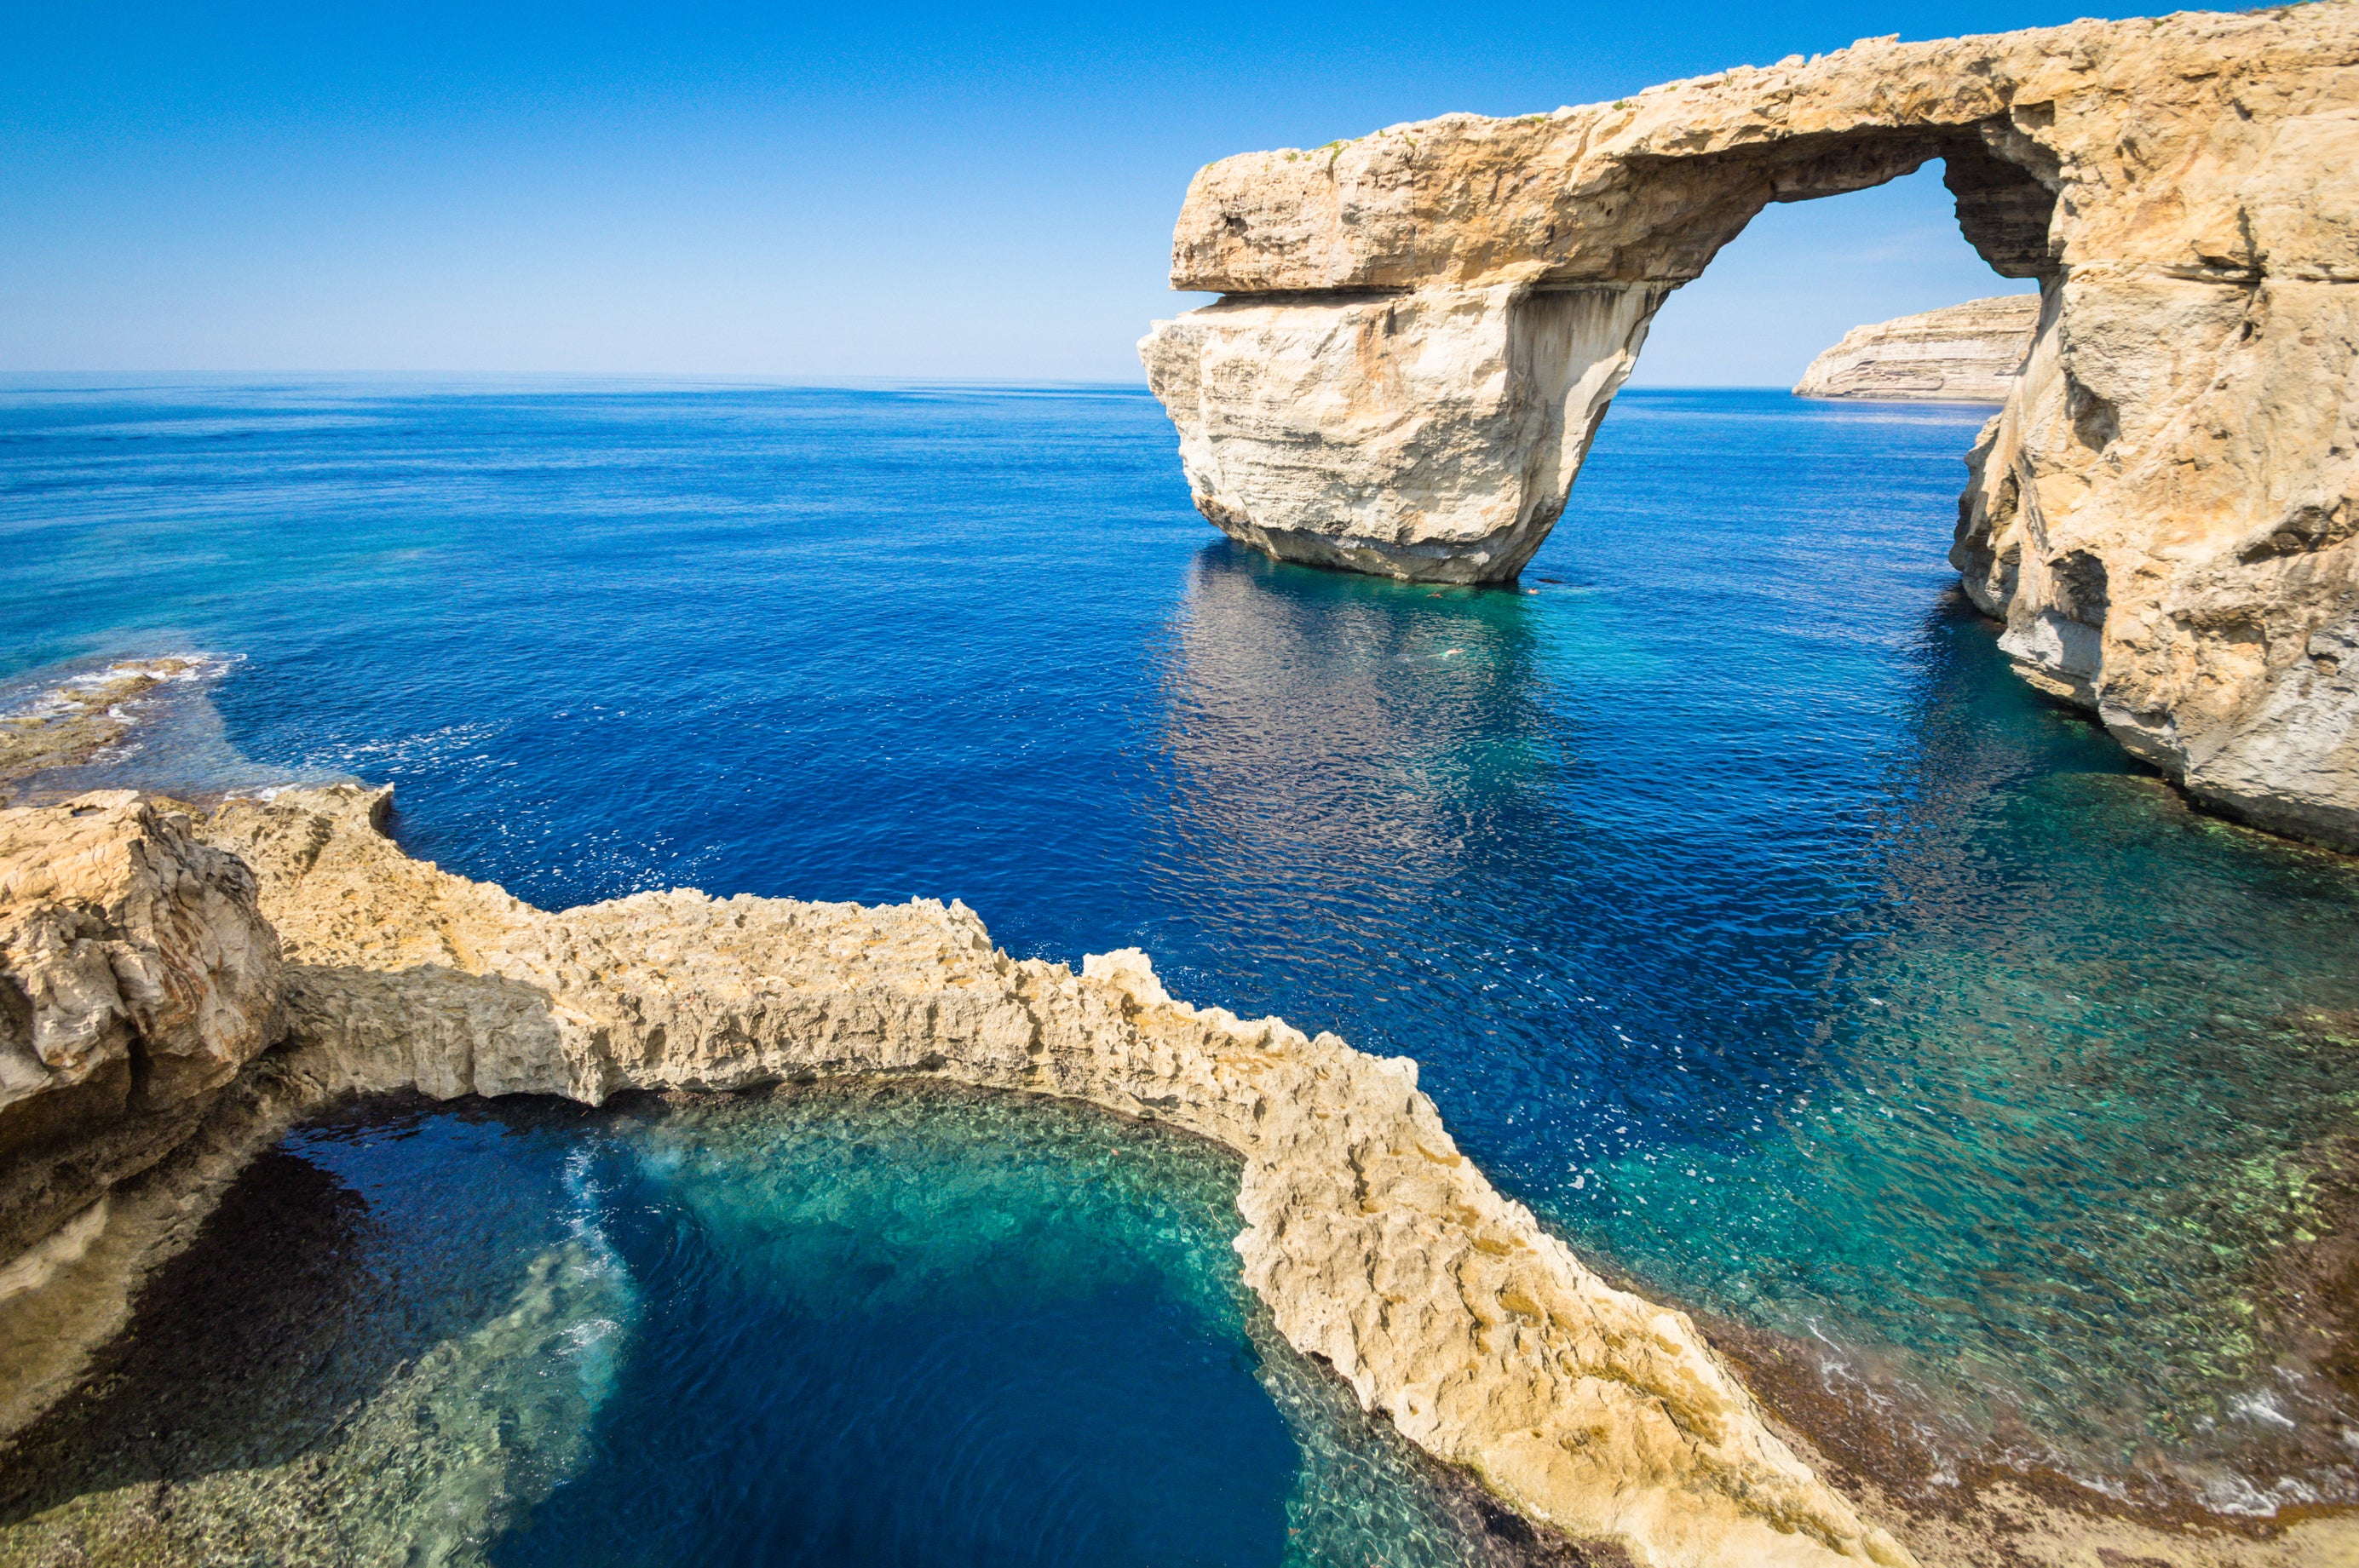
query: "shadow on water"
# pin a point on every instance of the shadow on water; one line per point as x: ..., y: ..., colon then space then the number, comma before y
x: 243, y: 1352
x: 1425, y: 842
x: 1326, y: 729
x: 866, y: 1325
x: 372, y: 1351
x: 1365, y: 761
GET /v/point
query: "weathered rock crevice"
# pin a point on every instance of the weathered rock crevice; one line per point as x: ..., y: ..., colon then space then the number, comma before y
x: 2006, y: 205
x: 2187, y: 416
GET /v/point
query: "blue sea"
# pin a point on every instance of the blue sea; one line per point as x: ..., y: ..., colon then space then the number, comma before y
x: 1748, y: 918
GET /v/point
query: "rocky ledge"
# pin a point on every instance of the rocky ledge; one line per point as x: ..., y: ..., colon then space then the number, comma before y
x: 1962, y: 354
x: 92, y: 713
x: 1420, y: 330
x: 148, y: 957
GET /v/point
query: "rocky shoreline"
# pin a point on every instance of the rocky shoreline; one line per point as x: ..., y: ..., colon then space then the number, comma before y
x: 193, y: 985
x: 75, y: 719
x: 230, y: 975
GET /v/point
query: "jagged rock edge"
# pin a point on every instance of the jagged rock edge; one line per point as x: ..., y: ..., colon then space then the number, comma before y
x: 1377, y: 1246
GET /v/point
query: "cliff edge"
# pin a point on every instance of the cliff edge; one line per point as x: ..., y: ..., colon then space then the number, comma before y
x: 1420, y: 330
x: 1378, y: 1247
x: 1962, y: 354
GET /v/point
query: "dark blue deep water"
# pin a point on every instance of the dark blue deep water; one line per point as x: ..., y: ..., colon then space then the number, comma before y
x: 1748, y: 918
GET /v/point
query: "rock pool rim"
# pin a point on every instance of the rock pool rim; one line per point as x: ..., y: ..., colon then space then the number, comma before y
x: 1375, y: 1245
x: 400, y: 975
x: 1508, y: 1538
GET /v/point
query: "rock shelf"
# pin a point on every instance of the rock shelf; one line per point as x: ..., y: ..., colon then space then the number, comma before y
x: 1378, y: 1247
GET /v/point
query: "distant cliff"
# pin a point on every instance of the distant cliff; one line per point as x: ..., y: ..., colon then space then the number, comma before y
x: 1965, y: 353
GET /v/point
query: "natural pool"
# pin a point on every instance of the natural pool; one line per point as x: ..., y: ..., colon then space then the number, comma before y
x: 876, y: 1325
x: 1748, y: 918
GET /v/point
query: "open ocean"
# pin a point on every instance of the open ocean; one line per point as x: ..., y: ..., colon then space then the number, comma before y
x: 1748, y: 919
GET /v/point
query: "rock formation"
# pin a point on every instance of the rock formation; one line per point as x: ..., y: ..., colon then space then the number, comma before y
x: 1420, y: 330
x: 1962, y: 354
x: 137, y: 977
x: 1377, y: 1246
x: 75, y: 719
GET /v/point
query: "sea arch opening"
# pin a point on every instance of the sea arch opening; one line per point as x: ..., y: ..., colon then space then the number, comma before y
x: 1799, y: 277
x: 2004, y: 210
x: 1422, y: 411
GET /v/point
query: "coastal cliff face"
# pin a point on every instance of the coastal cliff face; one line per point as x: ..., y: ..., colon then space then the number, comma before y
x: 1964, y: 353
x: 1420, y: 330
x: 137, y: 975
x: 1377, y: 1246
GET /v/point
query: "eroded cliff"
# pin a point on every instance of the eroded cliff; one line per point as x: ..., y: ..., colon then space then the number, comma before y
x: 1962, y: 354
x: 1378, y: 1245
x: 137, y: 977
x: 1421, y: 328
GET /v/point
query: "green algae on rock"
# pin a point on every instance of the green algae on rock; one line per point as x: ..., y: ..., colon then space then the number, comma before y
x: 81, y: 717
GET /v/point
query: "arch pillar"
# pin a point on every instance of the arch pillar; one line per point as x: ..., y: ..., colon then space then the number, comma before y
x: 1421, y: 331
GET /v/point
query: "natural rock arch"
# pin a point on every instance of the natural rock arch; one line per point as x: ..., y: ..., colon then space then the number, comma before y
x: 1421, y: 331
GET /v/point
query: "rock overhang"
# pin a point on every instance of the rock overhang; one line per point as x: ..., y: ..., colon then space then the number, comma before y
x: 2178, y: 184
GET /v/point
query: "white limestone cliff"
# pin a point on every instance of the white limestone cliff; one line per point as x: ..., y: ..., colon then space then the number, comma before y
x: 1421, y: 329
x: 1960, y: 353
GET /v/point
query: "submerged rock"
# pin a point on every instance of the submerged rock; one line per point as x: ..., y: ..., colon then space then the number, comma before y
x: 1377, y: 1246
x: 1421, y: 328
x: 89, y: 713
x: 1960, y: 353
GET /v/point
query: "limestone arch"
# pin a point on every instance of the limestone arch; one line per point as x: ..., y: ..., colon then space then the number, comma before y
x: 1521, y: 363
x: 1420, y: 330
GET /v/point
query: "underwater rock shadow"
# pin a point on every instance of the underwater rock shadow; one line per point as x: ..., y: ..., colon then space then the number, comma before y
x: 242, y: 1352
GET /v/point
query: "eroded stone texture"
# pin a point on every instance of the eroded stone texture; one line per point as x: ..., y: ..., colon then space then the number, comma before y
x: 1376, y: 1243
x: 1962, y: 354
x: 1430, y: 435
x: 137, y: 977
x: 1395, y: 382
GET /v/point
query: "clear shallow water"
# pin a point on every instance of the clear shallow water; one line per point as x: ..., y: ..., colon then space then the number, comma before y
x: 1748, y: 918
x: 869, y: 1327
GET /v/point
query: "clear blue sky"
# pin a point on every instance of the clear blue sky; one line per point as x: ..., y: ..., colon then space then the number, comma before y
x: 867, y: 191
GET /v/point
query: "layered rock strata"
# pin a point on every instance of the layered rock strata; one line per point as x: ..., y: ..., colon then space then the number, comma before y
x: 1962, y: 354
x: 1377, y: 1244
x: 1420, y: 330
